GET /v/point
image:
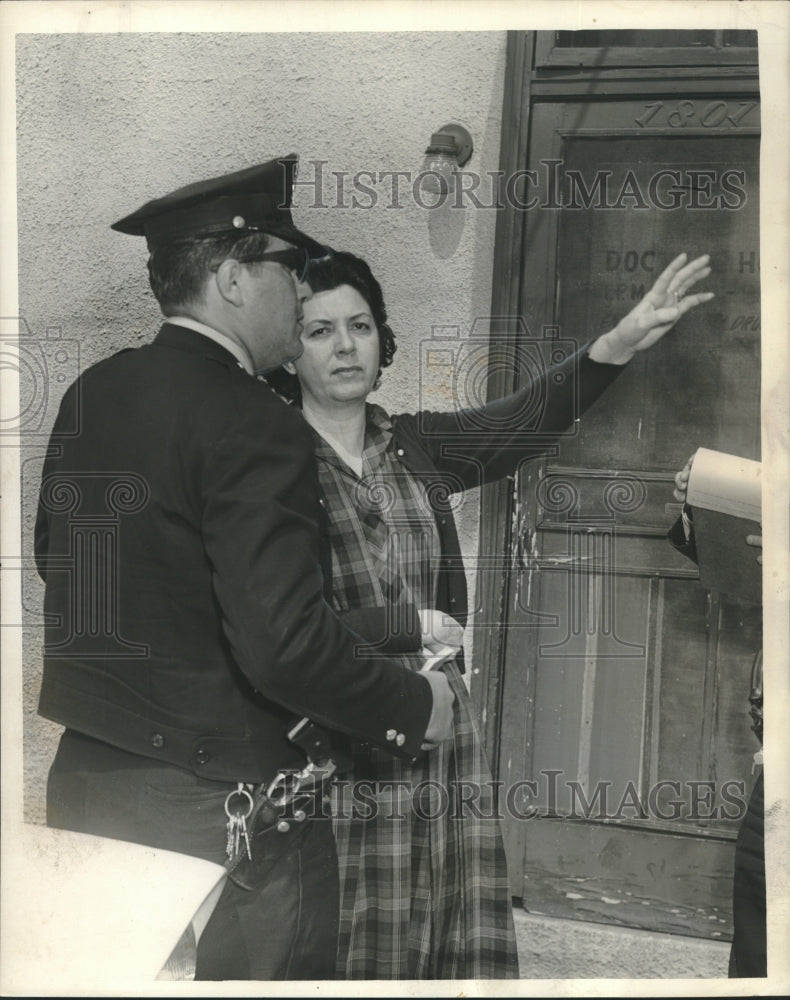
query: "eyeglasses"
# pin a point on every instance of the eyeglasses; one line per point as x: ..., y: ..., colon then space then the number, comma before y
x: 296, y: 259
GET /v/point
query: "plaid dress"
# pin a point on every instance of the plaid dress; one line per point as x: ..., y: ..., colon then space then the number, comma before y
x: 423, y: 877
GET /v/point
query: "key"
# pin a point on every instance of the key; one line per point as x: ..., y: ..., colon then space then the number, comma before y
x: 237, y: 814
x: 243, y: 830
x: 229, y: 841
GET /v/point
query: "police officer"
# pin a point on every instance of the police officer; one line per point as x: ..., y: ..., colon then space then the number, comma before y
x: 177, y: 537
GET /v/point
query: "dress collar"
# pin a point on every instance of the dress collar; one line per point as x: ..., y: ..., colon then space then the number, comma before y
x: 378, y: 435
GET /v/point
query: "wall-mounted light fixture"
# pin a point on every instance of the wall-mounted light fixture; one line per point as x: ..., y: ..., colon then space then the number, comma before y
x: 450, y: 148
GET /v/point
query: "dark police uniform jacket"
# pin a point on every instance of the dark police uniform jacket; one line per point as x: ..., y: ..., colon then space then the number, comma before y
x: 177, y: 534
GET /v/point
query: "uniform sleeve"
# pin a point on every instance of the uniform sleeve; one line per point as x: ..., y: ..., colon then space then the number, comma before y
x: 374, y: 625
x: 41, y: 542
x: 41, y: 535
x: 260, y: 530
x: 475, y: 446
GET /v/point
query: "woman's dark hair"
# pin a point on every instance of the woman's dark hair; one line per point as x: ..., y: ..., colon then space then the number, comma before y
x: 325, y: 275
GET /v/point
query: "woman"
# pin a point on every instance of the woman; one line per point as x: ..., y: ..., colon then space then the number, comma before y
x: 424, y: 888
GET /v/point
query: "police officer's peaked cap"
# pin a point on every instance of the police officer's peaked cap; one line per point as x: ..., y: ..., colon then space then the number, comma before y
x: 258, y: 198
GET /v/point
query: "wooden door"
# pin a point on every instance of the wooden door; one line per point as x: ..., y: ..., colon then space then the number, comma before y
x: 624, y: 743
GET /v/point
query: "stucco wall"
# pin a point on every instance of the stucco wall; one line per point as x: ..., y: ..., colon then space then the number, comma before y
x: 106, y: 122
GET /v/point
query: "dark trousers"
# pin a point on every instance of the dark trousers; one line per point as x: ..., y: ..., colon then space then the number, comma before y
x: 285, y: 927
x: 748, y: 952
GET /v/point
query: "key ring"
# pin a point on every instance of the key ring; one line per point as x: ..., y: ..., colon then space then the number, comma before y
x: 241, y: 791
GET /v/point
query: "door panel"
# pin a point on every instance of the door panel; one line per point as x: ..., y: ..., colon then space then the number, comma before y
x: 655, y: 881
x: 703, y: 377
x: 624, y: 719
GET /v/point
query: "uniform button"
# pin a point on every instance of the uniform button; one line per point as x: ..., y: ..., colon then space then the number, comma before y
x: 400, y: 452
x: 202, y: 757
x: 238, y: 221
x: 391, y: 734
x: 400, y: 739
x: 158, y: 741
x: 453, y: 600
x: 283, y: 826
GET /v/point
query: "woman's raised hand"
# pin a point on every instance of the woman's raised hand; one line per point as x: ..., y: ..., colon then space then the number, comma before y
x: 657, y: 312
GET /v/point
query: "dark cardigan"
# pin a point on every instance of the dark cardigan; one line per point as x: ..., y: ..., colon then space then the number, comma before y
x: 455, y: 451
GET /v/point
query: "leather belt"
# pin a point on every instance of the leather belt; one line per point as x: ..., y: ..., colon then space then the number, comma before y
x: 291, y: 798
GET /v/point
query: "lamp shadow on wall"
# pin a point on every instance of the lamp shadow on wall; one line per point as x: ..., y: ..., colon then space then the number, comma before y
x: 445, y: 228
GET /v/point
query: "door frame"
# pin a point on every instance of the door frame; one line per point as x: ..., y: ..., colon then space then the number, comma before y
x: 531, y: 78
